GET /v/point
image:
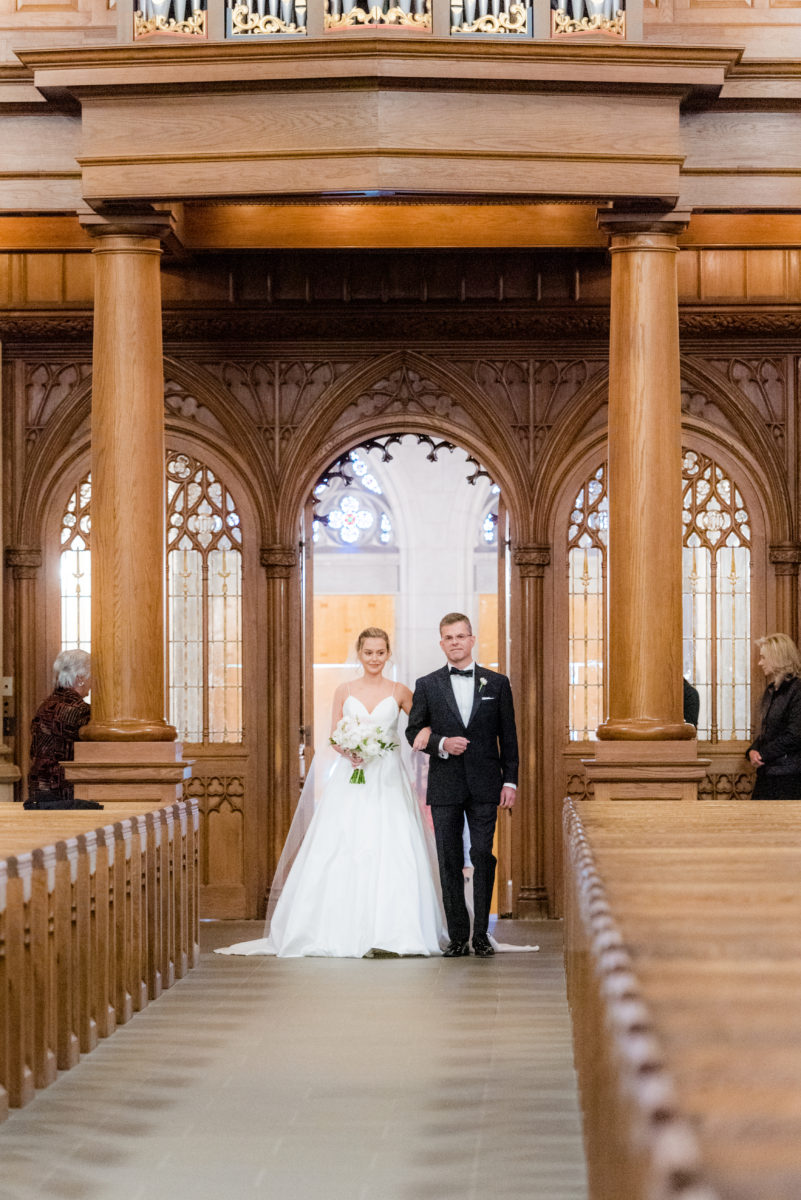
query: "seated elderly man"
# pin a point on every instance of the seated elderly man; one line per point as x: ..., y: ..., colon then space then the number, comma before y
x: 54, y: 729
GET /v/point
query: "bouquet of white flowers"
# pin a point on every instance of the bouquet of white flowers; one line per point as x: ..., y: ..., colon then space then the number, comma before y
x: 361, y: 737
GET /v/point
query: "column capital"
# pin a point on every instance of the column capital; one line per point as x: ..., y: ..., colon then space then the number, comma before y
x: 785, y: 557
x: 279, y: 561
x: 531, y: 561
x: 146, y: 223
x: 25, y: 561
x: 643, y: 224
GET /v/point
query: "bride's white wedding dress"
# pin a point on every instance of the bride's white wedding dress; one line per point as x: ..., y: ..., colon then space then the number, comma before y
x: 365, y: 877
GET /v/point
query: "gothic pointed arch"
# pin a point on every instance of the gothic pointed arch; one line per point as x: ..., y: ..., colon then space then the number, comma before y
x: 716, y: 409
x: 197, y: 409
x: 198, y: 405
x: 58, y: 443
x: 712, y: 407
x: 402, y: 392
x: 581, y: 426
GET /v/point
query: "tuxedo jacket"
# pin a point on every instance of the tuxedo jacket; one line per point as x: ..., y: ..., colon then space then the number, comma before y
x: 490, y: 760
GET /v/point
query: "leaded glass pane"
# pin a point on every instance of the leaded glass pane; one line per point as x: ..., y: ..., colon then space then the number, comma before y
x: 76, y: 570
x: 716, y: 589
x: 185, y: 656
x: 587, y: 538
x: 204, y: 597
x: 734, y: 619
x: 225, y: 645
x: 697, y: 613
x: 717, y: 578
x: 586, y: 603
x: 351, y: 509
x: 205, y: 637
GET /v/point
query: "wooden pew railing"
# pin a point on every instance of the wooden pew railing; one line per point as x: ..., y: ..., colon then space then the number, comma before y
x: 683, y: 956
x: 98, y: 913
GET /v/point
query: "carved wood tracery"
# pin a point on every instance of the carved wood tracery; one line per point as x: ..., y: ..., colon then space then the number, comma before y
x: 271, y: 421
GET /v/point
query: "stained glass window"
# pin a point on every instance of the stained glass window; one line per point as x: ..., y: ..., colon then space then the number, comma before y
x: 204, y: 603
x: 488, y: 533
x: 351, y: 509
x: 76, y: 569
x: 716, y: 598
x: 204, y: 597
x: 587, y: 540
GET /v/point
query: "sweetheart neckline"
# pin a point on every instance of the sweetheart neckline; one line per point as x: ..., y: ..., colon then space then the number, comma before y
x: 370, y: 711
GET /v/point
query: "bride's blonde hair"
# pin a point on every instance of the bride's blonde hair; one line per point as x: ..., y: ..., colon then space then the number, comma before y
x: 372, y: 631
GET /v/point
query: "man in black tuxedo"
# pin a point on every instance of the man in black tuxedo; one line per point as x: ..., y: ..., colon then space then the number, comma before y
x: 463, y: 717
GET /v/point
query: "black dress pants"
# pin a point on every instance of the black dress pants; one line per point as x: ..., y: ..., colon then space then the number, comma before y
x: 448, y: 828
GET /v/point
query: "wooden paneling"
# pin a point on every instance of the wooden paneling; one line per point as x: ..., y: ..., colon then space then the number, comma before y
x: 42, y: 233
x: 487, y: 639
x: 78, y: 274
x: 396, y: 226
x: 338, y: 620
x: 391, y: 226
x: 401, y: 141
x: 723, y: 274
x: 247, y: 133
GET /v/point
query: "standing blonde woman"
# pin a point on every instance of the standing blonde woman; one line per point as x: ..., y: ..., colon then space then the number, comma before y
x: 357, y: 873
x: 776, y: 750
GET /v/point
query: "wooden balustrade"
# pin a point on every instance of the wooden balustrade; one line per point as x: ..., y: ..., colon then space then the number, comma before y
x: 683, y: 954
x: 96, y: 910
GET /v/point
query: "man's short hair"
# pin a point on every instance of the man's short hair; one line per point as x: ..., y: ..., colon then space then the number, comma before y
x: 454, y: 619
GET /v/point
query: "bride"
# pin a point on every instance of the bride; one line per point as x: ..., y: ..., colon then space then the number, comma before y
x: 365, y: 876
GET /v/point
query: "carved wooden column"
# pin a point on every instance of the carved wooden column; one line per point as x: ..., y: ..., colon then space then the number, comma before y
x: 25, y: 563
x: 533, y: 833
x: 785, y: 559
x: 282, y: 699
x: 128, y: 749
x: 645, y: 749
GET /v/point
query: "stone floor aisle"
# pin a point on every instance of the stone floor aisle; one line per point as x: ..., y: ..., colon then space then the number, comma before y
x: 323, y: 1079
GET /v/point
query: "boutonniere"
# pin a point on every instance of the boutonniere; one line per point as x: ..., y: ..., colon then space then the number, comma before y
x: 482, y: 683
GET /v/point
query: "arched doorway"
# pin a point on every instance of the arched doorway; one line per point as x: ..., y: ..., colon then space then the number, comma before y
x: 397, y: 531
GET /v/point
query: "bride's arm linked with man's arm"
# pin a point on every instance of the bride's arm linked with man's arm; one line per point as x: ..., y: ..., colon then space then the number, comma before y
x: 418, y: 730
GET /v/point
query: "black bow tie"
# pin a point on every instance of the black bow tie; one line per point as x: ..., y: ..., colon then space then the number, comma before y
x: 457, y: 671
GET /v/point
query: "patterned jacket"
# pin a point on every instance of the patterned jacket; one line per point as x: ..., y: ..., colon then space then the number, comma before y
x: 54, y: 731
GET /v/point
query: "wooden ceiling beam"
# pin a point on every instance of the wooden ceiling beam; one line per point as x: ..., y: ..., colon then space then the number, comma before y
x: 402, y: 226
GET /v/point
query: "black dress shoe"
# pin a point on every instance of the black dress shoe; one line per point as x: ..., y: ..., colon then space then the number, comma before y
x: 482, y: 946
x: 456, y: 950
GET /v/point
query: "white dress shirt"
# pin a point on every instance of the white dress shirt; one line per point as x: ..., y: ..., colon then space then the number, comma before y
x: 463, y: 691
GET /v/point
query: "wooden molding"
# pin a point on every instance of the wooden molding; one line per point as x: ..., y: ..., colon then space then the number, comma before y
x: 478, y: 323
x: 25, y: 561
x: 785, y: 558
x: 531, y: 561
x: 214, y: 63
x: 279, y: 562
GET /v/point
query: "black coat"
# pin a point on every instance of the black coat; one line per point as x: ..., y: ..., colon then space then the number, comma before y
x: 490, y: 760
x: 779, y: 737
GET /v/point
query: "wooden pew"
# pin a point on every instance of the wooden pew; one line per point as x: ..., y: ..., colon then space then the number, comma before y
x: 683, y: 954
x: 4, y: 1015
x: 16, y: 997
x: 96, y: 908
